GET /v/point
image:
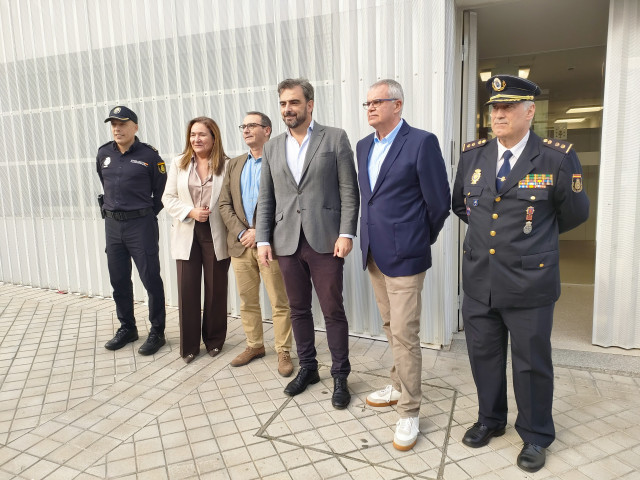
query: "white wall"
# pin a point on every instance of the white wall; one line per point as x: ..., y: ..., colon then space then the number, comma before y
x: 616, y: 312
x: 64, y: 63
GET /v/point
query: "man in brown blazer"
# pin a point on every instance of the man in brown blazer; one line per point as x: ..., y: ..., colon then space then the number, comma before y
x: 238, y: 202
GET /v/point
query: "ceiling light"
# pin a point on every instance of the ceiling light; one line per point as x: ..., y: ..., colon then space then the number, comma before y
x: 584, y: 109
x: 486, y: 75
x: 523, y: 72
x: 570, y: 120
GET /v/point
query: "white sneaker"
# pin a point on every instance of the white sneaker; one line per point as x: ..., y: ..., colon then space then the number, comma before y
x: 406, y: 433
x: 384, y: 398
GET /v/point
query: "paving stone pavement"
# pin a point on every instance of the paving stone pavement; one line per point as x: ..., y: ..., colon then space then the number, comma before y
x: 70, y: 409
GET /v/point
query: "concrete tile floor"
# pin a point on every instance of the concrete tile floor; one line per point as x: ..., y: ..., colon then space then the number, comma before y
x: 69, y: 409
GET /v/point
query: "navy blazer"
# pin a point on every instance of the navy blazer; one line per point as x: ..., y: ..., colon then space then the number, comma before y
x: 511, y: 255
x: 402, y: 216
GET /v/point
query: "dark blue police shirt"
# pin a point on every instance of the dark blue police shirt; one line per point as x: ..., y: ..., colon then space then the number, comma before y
x: 132, y: 180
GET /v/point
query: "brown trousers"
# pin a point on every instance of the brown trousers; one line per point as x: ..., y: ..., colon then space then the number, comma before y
x: 213, y: 323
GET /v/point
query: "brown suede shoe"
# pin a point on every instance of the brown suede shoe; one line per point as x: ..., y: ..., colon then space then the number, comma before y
x: 285, y: 367
x: 248, y: 355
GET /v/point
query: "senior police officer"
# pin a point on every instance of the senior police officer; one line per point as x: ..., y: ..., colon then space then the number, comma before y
x: 133, y: 177
x: 517, y: 193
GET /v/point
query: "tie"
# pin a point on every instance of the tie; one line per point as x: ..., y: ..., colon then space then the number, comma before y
x: 504, y: 170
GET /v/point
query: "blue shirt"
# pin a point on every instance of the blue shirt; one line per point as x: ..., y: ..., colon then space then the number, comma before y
x: 378, y: 153
x: 250, y: 186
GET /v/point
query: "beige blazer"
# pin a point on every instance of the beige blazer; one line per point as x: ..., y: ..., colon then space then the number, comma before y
x: 177, y: 202
x: 231, y: 208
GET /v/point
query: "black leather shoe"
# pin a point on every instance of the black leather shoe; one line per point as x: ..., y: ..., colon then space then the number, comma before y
x: 341, y: 396
x: 152, y: 345
x: 532, y: 457
x: 121, y: 338
x: 479, y: 435
x: 299, y: 384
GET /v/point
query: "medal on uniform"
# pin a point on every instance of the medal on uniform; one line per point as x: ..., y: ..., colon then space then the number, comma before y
x: 530, y: 211
x: 528, y: 226
x: 476, y: 176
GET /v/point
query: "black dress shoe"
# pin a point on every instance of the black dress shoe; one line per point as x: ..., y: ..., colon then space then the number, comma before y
x: 152, y: 345
x: 121, y: 338
x: 299, y: 384
x: 532, y: 457
x: 341, y: 396
x: 479, y: 435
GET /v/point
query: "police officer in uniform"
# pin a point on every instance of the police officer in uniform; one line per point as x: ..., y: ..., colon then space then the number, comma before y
x: 133, y: 177
x: 517, y: 193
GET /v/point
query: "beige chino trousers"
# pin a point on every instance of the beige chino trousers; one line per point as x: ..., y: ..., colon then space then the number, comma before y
x: 399, y: 300
x: 247, y: 270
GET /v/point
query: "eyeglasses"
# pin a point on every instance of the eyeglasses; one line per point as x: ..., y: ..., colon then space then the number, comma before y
x: 377, y: 102
x: 251, y: 126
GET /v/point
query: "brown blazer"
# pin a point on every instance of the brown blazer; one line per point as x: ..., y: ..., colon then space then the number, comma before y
x: 231, y: 209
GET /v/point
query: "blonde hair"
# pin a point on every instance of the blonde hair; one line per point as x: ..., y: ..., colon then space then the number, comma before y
x: 217, y: 157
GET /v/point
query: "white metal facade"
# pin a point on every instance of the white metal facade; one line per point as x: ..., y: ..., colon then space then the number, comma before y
x: 65, y: 63
x: 616, y: 312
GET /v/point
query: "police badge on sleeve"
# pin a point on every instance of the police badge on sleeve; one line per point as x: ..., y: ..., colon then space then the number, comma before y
x: 576, y: 183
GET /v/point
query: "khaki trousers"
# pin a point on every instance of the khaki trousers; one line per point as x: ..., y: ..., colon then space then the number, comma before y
x: 399, y: 300
x: 247, y: 270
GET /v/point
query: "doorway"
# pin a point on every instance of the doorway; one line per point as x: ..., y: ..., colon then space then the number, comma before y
x: 566, y: 59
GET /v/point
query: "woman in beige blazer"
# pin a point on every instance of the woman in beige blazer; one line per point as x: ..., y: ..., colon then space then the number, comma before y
x: 199, y: 238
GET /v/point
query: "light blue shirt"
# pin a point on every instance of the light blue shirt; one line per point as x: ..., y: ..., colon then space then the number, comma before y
x: 378, y: 153
x: 296, y: 152
x: 250, y: 185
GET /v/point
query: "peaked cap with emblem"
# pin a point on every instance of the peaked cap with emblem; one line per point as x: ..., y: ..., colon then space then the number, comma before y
x: 123, y: 114
x: 508, y: 89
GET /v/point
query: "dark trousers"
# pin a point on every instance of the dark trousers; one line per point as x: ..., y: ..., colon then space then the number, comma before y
x: 138, y: 239
x: 325, y: 270
x: 213, y: 325
x: 487, y: 332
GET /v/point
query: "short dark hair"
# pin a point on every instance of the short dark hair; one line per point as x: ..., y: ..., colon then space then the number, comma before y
x: 266, y: 121
x: 303, y: 83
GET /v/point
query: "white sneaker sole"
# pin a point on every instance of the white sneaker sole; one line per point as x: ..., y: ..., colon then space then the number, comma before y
x: 404, y: 448
x: 381, y: 404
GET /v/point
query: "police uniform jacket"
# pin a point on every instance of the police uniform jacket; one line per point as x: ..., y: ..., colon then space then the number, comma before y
x: 508, y: 262
x: 178, y: 202
x: 133, y: 180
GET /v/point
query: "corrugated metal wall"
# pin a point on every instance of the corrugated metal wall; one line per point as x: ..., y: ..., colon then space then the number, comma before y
x: 616, y: 311
x: 64, y: 63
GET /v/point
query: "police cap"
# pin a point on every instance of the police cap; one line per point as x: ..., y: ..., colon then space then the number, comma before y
x: 122, y: 113
x: 508, y: 88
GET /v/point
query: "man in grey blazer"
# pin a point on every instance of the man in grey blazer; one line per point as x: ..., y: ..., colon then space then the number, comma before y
x: 308, y: 205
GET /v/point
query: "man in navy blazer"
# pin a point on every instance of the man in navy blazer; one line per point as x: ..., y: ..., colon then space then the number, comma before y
x: 405, y: 200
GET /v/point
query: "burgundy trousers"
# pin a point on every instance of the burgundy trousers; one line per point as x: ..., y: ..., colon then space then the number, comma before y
x: 325, y: 270
x: 212, y: 326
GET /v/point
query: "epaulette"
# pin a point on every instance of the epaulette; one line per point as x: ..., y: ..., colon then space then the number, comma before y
x: 560, y: 145
x: 108, y: 143
x: 475, y: 144
x: 150, y: 146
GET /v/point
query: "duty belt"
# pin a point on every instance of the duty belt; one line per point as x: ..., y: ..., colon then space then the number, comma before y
x: 128, y: 215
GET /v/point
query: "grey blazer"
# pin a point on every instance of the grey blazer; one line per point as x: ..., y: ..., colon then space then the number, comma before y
x: 324, y: 204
